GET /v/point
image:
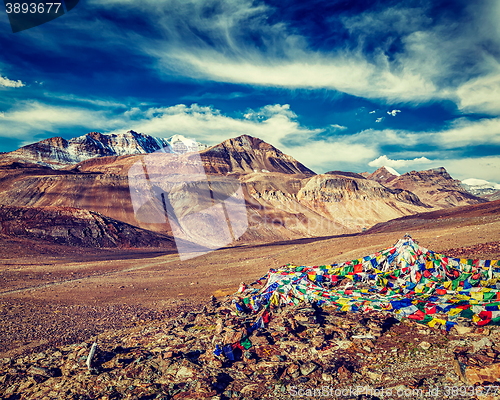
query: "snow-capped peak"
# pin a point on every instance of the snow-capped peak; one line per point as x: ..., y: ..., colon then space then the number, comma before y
x: 58, y: 152
x: 481, y: 183
x: 392, y: 170
x: 480, y: 187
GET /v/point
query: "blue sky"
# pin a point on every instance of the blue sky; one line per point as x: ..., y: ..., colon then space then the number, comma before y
x: 337, y: 84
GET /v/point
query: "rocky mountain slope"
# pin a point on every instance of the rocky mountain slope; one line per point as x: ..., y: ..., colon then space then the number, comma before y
x: 480, y: 187
x: 434, y: 187
x: 356, y: 202
x: 247, y: 154
x: 284, y: 199
x: 58, y: 152
x: 279, y: 205
x: 494, y: 196
x: 486, y: 212
x: 382, y: 175
x: 76, y: 227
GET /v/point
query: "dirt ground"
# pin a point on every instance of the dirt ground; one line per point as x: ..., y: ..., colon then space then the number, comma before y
x: 58, y: 295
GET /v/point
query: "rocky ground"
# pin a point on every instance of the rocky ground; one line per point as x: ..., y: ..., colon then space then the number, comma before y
x: 145, y: 311
x: 303, y: 352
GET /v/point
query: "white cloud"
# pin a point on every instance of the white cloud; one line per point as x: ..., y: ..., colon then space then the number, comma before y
x: 379, y: 119
x: 271, y: 123
x: 386, y: 161
x: 215, y: 46
x: 85, y: 100
x: 393, y: 112
x: 481, y: 183
x: 336, y: 127
x: 465, y: 132
x: 487, y: 168
x: 481, y: 94
x: 6, y: 82
x: 372, y: 112
x: 438, y: 58
x: 460, y: 133
x: 278, y: 125
x: 29, y: 118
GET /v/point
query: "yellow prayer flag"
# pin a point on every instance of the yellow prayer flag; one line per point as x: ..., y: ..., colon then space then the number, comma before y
x: 454, y: 311
x: 432, y: 322
x: 477, y: 295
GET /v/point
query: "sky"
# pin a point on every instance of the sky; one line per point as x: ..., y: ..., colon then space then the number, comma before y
x: 339, y: 85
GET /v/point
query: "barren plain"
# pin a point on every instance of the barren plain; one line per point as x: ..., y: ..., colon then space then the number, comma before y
x: 52, y: 295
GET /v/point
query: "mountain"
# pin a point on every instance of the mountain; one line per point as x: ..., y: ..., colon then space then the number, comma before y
x: 57, y: 152
x: 346, y: 173
x: 383, y: 175
x: 494, y: 196
x: 480, y: 187
x: 247, y: 154
x: 76, y: 227
x: 451, y: 218
x: 284, y: 199
x: 356, y: 202
x: 434, y: 187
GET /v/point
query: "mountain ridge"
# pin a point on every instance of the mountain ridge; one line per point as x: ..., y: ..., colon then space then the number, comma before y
x: 284, y: 199
x: 434, y: 186
x: 57, y: 152
x: 76, y: 227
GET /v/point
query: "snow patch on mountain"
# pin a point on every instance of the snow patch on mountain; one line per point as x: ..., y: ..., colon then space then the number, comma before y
x: 58, y: 152
x: 392, y: 170
x: 480, y: 187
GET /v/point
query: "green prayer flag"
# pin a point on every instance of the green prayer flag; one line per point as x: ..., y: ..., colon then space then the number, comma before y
x: 489, y: 295
x: 245, y: 342
x: 467, y: 313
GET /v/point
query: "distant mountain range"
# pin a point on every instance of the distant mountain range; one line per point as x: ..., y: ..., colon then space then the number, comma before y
x: 284, y: 198
x: 434, y: 186
x: 57, y: 152
x: 480, y: 187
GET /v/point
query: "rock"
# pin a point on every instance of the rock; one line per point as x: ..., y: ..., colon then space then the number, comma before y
x: 459, y: 369
x: 219, y: 327
x: 259, y: 340
x: 45, y: 372
x: 425, y: 345
x: 479, y: 375
x: 294, y: 371
x: 479, y: 344
x: 373, y: 376
x: 463, y: 330
x: 184, y: 372
x: 233, y: 336
x: 307, y: 368
x: 248, y: 389
x: 344, y: 344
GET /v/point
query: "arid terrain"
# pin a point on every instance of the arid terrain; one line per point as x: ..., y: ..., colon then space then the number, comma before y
x: 52, y: 294
x: 79, y: 264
